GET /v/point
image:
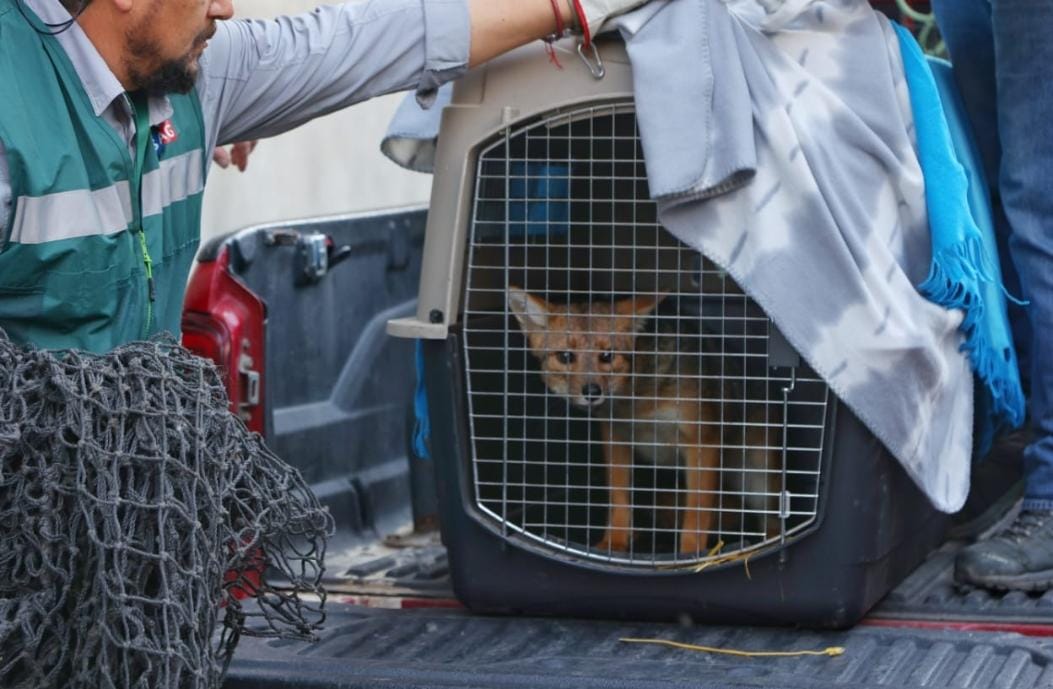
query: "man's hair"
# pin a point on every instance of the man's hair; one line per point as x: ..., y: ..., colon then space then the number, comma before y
x: 75, y: 7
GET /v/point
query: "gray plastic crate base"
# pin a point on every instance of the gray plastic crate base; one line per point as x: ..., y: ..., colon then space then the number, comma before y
x: 874, y: 527
x: 419, y: 574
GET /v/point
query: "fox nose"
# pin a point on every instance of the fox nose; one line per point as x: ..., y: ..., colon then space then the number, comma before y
x: 591, y: 392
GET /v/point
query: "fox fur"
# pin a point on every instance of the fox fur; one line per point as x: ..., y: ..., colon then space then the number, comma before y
x: 652, y: 400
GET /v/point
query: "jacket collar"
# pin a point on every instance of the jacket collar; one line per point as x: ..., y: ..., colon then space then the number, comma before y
x: 99, y: 82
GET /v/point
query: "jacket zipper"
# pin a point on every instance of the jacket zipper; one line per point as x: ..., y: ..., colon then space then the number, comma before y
x: 141, y: 142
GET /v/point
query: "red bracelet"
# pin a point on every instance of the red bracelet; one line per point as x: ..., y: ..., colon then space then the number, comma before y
x: 560, y: 28
x: 561, y: 31
x: 583, y: 23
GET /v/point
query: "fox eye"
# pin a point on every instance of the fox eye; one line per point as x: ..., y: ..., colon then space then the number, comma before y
x: 565, y: 357
x: 606, y: 357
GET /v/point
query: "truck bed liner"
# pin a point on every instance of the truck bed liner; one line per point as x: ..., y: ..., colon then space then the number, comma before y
x: 931, y: 594
x: 410, y: 647
x: 367, y: 648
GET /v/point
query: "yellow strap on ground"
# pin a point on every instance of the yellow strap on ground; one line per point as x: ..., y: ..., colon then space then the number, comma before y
x: 831, y: 651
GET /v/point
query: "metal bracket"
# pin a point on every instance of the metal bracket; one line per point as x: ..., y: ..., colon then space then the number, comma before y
x: 316, y: 256
x: 312, y: 258
x: 597, y: 70
x: 281, y: 237
x: 250, y: 380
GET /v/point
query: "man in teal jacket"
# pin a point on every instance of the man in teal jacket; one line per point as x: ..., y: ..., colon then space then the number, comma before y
x: 108, y: 107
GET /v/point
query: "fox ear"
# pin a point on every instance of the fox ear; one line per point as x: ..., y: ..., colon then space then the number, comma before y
x: 530, y: 311
x: 639, y: 307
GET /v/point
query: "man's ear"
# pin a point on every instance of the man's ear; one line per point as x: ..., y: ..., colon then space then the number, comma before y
x: 638, y: 308
x: 531, y: 312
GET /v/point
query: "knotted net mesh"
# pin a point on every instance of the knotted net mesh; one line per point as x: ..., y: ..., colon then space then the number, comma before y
x: 136, y: 517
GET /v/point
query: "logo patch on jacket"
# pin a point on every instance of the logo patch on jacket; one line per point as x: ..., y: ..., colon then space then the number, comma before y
x: 162, y: 135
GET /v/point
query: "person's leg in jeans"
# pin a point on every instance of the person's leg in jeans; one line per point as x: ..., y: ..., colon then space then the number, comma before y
x: 1022, y: 31
x: 966, y: 29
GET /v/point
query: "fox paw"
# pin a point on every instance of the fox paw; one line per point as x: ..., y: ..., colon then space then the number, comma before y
x: 616, y: 542
x: 692, y: 544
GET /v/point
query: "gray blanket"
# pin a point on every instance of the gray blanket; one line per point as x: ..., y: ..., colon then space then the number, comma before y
x: 778, y: 138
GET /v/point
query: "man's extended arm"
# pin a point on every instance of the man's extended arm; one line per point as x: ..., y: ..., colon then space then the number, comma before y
x: 260, y: 78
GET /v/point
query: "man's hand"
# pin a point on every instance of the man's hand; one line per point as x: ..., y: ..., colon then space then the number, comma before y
x: 501, y: 25
x: 238, y: 155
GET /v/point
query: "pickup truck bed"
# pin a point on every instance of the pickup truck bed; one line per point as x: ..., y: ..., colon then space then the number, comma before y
x: 429, y: 648
x: 926, y: 633
x: 366, y: 648
x: 336, y: 395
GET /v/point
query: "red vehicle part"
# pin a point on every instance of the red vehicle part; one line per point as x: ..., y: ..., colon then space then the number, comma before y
x: 224, y: 321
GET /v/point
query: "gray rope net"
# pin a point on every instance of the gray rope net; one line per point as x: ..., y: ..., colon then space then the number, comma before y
x: 136, y: 516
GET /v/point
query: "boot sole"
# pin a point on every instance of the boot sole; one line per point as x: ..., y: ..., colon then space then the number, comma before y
x: 1033, y: 581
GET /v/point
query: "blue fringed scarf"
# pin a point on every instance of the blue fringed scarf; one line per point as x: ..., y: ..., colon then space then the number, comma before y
x: 964, y: 273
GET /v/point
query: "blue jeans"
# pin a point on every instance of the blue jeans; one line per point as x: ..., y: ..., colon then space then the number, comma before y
x: 1003, y: 61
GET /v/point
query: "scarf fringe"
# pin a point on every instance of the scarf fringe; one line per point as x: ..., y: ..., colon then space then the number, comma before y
x: 955, y: 281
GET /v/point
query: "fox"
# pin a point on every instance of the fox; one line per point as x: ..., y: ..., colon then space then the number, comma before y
x: 651, y: 400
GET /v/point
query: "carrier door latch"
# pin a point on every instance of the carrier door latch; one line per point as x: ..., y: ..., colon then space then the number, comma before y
x: 781, y: 353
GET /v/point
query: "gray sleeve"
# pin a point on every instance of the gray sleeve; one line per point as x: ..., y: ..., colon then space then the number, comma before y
x: 260, y: 78
x: 5, y: 192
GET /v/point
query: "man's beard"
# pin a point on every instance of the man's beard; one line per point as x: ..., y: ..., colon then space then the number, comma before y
x: 171, y: 76
x: 176, y: 76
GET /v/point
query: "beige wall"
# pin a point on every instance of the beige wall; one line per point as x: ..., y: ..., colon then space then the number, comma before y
x: 330, y: 165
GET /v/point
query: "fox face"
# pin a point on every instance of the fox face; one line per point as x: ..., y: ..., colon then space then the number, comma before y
x: 585, y: 350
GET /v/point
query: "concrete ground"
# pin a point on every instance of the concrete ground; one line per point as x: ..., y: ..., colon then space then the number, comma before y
x: 331, y: 165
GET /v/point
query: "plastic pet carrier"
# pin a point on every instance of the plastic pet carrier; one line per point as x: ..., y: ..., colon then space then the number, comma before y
x: 619, y: 430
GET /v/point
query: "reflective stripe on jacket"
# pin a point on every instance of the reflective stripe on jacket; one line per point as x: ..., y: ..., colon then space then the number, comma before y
x: 73, y: 273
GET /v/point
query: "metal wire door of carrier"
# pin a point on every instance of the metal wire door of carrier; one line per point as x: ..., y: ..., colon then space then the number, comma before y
x: 627, y: 403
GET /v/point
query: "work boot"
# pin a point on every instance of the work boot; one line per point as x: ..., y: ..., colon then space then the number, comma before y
x: 1019, y: 557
